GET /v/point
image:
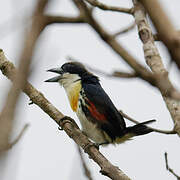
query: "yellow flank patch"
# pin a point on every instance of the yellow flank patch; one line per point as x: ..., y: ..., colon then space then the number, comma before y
x: 73, y: 95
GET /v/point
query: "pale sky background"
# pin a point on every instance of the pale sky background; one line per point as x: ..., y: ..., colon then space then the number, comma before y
x: 47, y: 153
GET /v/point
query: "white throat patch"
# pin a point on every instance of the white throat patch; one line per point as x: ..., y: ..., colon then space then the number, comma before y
x: 68, y: 80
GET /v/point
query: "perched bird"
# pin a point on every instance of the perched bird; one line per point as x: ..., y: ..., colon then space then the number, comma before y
x: 100, y: 119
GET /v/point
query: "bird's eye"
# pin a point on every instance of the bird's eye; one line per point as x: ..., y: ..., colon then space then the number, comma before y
x: 67, y: 67
x: 64, y: 68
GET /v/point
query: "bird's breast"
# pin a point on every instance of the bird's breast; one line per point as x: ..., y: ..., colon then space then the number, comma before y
x: 73, y: 92
x: 89, y: 127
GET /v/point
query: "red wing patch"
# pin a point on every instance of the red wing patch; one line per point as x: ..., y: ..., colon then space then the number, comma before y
x: 95, y: 113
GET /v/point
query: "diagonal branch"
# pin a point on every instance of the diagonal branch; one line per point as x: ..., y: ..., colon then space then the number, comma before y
x: 169, y: 36
x: 19, y: 136
x: 7, y: 114
x: 10, y: 145
x: 68, y: 124
x: 109, y: 39
x: 154, y: 61
x: 103, y: 6
x: 141, y: 71
x: 125, y: 30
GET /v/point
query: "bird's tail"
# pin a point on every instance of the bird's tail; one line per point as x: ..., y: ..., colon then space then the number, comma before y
x: 139, y: 129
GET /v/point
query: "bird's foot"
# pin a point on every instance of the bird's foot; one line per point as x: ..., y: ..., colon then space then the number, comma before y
x: 64, y: 120
x: 96, y: 145
x: 30, y: 102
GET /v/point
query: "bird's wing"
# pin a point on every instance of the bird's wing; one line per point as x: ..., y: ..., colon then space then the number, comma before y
x: 102, y: 110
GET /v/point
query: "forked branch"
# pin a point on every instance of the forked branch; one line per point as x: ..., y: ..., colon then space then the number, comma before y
x: 103, y: 6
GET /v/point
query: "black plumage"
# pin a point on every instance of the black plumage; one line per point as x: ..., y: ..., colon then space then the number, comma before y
x: 95, y: 108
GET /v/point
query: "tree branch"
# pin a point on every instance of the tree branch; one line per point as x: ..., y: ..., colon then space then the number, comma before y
x: 103, y: 6
x: 62, y: 19
x: 7, y: 114
x: 158, y: 38
x: 68, y: 124
x: 86, y: 170
x: 109, y: 39
x: 19, y: 136
x: 154, y: 61
x: 121, y: 74
x: 10, y: 145
x: 154, y: 129
x: 169, y: 36
x: 126, y: 29
x: 168, y: 168
x: 139, y: 69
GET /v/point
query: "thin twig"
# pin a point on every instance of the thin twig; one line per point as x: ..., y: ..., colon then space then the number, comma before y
x: 86, y: 170
x: 126, y: 29
x: 62, y: 19
x: 103, y: 6
x: 154, y: 129
x: 168, y: 168
x: 20, y: 135
x: 121, y: 74
x: 9, y: 146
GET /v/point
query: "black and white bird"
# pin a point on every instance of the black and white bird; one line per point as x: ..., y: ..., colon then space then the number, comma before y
x: 100, y: 119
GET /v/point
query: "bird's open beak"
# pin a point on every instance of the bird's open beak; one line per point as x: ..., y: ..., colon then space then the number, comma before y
x: 56, y: 78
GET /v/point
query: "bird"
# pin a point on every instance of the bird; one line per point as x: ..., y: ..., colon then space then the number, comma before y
x: 100, y: 119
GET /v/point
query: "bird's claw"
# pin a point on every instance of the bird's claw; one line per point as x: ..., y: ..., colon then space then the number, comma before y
x: 90, y: 145
x: 60, y: 128
x: 64, y: 120
x: 96, y: 145
x: 30, y: 102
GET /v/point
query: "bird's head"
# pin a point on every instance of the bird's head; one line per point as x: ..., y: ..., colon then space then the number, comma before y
x: 70, y: 73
